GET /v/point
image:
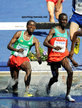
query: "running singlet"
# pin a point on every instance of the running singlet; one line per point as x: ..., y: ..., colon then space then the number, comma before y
x: 59, y: 39
x: 22, y: 43
x: 77, y: 6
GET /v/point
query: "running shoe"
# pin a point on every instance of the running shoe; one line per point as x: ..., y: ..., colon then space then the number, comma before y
x: 26, y: 94
x: 76, y: 48
x: 69, y: 98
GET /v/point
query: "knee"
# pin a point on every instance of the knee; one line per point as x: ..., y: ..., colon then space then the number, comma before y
x: 57, y: 17
x: 51, y: 14
x: 28, y: 71
x: 55, y: 79
x: 71, y: 38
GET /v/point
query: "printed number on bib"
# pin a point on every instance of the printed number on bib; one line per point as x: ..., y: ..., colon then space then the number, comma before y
x: 21, y: 54
x: 61, y: 44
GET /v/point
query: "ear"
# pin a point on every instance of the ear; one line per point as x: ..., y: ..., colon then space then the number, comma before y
x: 35, y: 27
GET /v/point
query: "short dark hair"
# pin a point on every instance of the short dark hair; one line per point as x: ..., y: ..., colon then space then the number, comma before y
x: 62, y: 14
x: 31, y: 21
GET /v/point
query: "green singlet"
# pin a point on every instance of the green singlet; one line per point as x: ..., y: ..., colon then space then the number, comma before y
x: 22, y: 43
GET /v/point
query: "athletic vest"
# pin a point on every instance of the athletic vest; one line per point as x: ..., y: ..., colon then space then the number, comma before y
x: 77, y: 6
x: 59, y: 39
x: 22, y: 43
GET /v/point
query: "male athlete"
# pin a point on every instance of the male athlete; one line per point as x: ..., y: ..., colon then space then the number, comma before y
x: 20, y: 46
x: 76, y: 22
x: 56, y: 42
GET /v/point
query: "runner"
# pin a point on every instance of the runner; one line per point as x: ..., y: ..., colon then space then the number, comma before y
x: 20, y: 46
x: 56, y: 42
x: 51, y: 4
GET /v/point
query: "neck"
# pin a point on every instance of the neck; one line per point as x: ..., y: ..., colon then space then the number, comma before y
x: 29, y: 33
x: 62, y: 27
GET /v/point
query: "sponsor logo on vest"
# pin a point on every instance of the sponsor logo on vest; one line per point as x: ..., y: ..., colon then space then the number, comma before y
x: 21, y: 40
x: 60, y: 38
x: 58, y: 34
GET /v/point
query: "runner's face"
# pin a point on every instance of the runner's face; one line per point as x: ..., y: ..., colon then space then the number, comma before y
x: 63, y: 21
x: 31, y: 27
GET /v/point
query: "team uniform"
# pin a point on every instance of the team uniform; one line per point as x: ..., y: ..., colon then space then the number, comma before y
x: 55, y: 57
x: 17, y: 58
x: 55, y: 1
x: 77, y: 12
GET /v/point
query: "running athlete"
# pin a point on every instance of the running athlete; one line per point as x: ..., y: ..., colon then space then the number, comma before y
x: 51, y: 4
x: 56, y: 42
x: 20, y: 46
x: 76, y: 22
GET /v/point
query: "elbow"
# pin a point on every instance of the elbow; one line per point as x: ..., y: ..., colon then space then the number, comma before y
x: 8, y: 46
x: 44, y: 43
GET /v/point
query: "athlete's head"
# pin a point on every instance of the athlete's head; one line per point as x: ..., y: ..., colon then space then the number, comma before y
x: 63, y: 19
x: 31, y: 26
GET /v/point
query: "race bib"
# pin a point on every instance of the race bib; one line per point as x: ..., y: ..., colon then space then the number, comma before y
x: 21, y: 54
x: 61, y: 44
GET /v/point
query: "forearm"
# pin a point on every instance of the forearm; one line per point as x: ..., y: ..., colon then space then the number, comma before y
x: 47, y: 44
x: 11, y: 48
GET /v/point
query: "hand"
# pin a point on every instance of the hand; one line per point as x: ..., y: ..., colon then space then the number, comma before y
x: 74, y: 62
x: 20, y: 50
x: 39, y: 60
x: 57, y: 48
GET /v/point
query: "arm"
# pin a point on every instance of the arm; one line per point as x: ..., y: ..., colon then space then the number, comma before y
x: 13, y: 40
x: 36, y: 43
x: 48, y: 38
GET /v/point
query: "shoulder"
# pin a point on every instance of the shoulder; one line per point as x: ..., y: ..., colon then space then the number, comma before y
x: 52, y: 31
x: 18, y: 33
x: 34, y: 38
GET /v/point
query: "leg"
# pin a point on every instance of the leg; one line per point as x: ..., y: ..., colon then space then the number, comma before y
x: 53, y: 79
x: 66, y: 65
x: 50, y: 6
x: 14, y: 74
x: 55, y: 76
x: 27, y: 68
x: 58, y: 12
x: 73, y: 28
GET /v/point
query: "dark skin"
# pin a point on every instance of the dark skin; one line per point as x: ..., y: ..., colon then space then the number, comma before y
x: 65, y: 61
x: 61, y: 28
x: 26, y: 65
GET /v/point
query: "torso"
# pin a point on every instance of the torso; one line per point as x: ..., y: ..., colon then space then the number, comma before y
x: 23, y: 42
x: 58, y: 39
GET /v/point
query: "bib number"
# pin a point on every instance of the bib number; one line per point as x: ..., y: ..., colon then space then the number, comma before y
x: 21, y: 54
x: 60, y: 44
